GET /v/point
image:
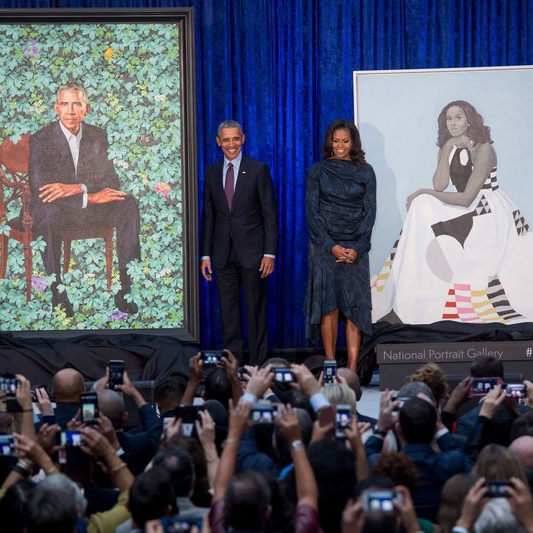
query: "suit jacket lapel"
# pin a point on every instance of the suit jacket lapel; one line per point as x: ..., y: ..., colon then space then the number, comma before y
x: 63, y: 150
x: 219, y: 182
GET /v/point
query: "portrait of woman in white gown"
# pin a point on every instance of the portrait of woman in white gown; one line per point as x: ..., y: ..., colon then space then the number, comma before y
x: 465, y: 252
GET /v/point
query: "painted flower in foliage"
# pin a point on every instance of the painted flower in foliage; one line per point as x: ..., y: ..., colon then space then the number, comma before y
x: 162, y: 188
x: 38, y: 283
x: 109, y: 54
x: 31, y: 51
x: 118, y: 315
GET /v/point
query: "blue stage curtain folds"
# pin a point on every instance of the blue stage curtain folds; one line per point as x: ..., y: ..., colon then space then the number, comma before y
x: 283, y: 68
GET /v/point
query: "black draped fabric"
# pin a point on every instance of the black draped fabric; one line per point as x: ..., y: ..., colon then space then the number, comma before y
x: 340, y: 204
x: 146, y: 357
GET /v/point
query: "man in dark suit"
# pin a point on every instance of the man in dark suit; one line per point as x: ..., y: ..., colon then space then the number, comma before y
x: 239, y: 236
x: 74, y: 185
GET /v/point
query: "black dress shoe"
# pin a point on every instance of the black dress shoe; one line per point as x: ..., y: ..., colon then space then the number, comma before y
x: 61, y: 298
x: 122, y: 305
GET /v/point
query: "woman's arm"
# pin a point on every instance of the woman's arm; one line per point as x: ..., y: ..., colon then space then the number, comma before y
x: 484, y: 159
x: 441, y: 178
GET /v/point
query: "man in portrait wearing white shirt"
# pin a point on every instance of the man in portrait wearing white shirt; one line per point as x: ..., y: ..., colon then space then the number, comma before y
x: 239, y: 240
x: 74, y: 185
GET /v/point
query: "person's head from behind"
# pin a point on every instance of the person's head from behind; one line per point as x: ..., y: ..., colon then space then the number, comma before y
x: 334, y: 468
x: 497, y: 517
x: 338, y: 394
x: 414, y: 388
x: 522, y: 449
x: 13, y: 506
x: 432, y: 375
x: 352, y: 380
x: 151, y: 496
x: 417, y: 421
x: 179, y: 465
x: 168, y: 393
x: 461, y: 118
x: 67, y: 385
x: 486, y: 367
x: 523, y: 425
x: 496, y: 463
x: 111, y: 404
x: 342, y: 141
x: 453, y: 495
x: 399, y: 468
x: 54, y: 506
x: 218, y: 387
x: 71, y: 106
x: 247, y: 502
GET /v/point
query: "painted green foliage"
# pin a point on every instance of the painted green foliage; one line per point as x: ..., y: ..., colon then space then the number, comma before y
x: 132, y: 75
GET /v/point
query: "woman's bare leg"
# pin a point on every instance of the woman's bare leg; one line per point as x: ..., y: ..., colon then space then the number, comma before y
x: 329, y: 326
x: 353, y: 343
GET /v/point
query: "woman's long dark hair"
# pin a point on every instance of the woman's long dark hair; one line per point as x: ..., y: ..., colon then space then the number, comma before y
x: 477, y: 131
x: 356, y: 152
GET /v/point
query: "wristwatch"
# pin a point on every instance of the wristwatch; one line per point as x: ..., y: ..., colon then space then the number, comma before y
x: 297, y: 445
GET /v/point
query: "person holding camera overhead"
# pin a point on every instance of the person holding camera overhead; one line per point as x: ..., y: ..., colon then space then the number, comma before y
x: 340, y: 201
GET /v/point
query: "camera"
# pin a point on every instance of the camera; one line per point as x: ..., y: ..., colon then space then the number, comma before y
x: 380, y: 500
x: 283, y: 375
x: 330, y: 372
x: 116, y: 373
x: 212, y: 358
x: 264, y: 412
x: 89, y: 407
x: 189, y: 415
x: 343, y: 419
x: 497, y: 489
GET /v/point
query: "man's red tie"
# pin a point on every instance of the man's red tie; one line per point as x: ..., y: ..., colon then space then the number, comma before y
x: 230, y: 185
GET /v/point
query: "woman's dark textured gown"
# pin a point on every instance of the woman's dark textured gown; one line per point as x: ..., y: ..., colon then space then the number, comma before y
x: 340, y: 202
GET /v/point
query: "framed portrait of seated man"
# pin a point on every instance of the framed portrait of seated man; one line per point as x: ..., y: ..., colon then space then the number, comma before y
x: 98, y: 184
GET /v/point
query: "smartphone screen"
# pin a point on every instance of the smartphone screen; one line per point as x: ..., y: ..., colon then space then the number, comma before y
x: 515, y: 390
x: 343, y: 419
x: 283, y: 375
x: 482, y: 386
x: 330, y: 371
x: 116, y: 373
x: 70, y: 438
x: 264, y: 413
x: 89, y: 407
x: 212, y: 358
x: 9, y: 385
x: 497, y: 489
x: 379, y: 500
x: 7, y: 445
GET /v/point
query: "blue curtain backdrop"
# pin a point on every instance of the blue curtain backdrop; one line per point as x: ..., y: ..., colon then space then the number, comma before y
x: 283, y: 68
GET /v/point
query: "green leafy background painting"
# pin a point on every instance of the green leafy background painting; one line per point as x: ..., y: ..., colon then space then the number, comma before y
x: 132, y: 75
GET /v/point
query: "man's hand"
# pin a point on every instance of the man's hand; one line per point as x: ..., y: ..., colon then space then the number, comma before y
x: 46, y: 437
x: 53, y: 191
x: 206, y: 269
x: 288, y: 424
x: 260, y: 381
x: 458, y: 396
x: 492, y: 401
x: 387, y: 418
x: 105, y: 196
x: 43, y: 402
x: 238, y: 419
x: 94, y: 443
x: 195, y: 368
x: 306, y: 380
x: 23, y: 393
x: 231, y: 364
x: 267, y: 266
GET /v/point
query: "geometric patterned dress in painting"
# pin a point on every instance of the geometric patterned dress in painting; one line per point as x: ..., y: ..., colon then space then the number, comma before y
x: 468, y: 264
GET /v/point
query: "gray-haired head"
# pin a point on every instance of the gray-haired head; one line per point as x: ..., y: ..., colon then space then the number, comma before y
x: 497, y: 517
x: 74, y: 87
x: 228, y: 124
x: 414, y: 388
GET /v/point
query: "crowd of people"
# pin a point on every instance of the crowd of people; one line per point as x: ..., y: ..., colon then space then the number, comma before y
x: 267, y: 449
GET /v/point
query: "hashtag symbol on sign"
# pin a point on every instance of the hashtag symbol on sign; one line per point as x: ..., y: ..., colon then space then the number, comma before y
x: 529, y: 351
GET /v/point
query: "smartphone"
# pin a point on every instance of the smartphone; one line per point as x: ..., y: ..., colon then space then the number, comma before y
x: 283, y: 375
x: 189, y: 415
x: 401, y: 400
x: 10, y: 405
x: 89, y: 407
x: 70, y: 438
x: 116, y: 373
x: 9, y: 384
x: 482, y: 386
x: 212, y: 358
x: 330, y: 372
x: 241, y: 371
x: 7, y: 445
x: 343, y: 418
x: 264, y: 412
x: 177, y: 524
x: 515, y: 390
x: 498, y: 489
x: 379, y: 500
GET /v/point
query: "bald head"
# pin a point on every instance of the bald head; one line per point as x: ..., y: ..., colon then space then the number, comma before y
x: 352, y: 380
x: 111, y: 404
x: 68, y: 385
x: 522, y: 447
